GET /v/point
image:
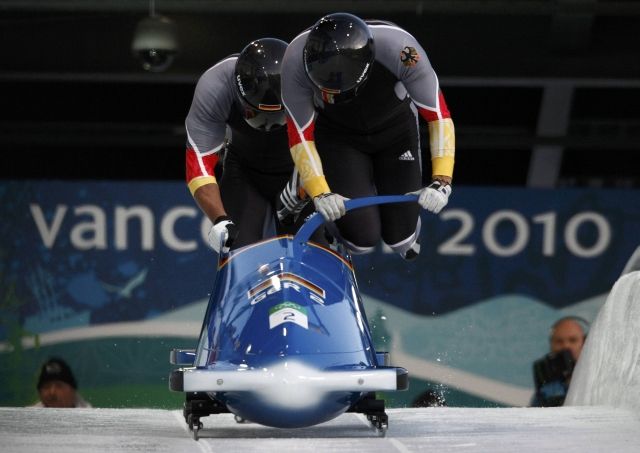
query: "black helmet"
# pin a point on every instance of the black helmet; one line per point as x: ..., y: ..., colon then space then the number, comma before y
x: 257, y: 77
x: 339, y: 55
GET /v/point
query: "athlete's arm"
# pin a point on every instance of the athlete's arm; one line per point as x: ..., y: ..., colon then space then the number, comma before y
x: 441, y: 140
x: 206, y: 128
x: 205, y: 190
x: 297, y: 97
x: 404, y: 55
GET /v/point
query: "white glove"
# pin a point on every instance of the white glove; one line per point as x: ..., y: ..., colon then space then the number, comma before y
x: 434, y: 197
x: 330, y: 205
x: 222, y: 234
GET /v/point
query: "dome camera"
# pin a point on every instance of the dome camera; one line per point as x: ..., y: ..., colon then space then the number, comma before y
x: 155, y: 43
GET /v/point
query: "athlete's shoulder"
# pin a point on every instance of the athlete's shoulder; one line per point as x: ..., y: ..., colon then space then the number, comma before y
x: 293, y: 54
x: 387, y: 30
x: 225, y: 65
x: 377, y: 22
x: 218, y: 75
x: 300, y: 39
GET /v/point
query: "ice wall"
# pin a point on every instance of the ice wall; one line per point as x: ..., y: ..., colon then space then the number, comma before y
x: 608, y: 372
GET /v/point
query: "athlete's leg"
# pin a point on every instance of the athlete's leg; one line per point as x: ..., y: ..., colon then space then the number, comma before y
x: 246, y: 206
x: 350, y: 174
x: 397, y: 170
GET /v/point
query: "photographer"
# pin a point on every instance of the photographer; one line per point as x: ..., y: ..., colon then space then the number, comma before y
x: 552, y: 373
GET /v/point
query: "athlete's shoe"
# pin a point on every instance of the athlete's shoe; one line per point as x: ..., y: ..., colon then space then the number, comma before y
x: 291, y: 201
x: 413, y: 251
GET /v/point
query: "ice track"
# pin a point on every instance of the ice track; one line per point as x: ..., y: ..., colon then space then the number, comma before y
x: 577, y: 429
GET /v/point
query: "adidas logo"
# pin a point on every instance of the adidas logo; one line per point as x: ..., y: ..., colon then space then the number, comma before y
x: 406, y: 156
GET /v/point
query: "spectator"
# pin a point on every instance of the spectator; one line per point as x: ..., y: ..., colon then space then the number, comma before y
x: 552, y: 373
x: 57, y: 387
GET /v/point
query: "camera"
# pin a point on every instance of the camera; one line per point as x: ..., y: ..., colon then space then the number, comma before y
x: 155, y: 43
x: 553, y: 367
x: 552, y: 374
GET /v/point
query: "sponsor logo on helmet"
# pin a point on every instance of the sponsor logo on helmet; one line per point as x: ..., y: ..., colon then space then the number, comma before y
x: 409, y: 56
x: 240, y: 87
x: 270, y: 107
x: 364, y: 73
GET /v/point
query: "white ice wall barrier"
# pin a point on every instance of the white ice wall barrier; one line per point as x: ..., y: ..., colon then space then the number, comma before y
x: 608, y: 371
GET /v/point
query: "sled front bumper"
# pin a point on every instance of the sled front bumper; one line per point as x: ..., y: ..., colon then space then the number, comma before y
x: 211, y: 380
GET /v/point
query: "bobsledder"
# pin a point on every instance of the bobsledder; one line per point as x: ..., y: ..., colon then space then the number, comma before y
x: 285, y: 340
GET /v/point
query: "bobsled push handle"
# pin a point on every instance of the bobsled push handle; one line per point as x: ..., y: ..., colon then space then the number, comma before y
x: 316, y: 220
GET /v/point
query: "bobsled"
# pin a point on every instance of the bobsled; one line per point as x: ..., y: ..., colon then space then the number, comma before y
x: 285, y: 340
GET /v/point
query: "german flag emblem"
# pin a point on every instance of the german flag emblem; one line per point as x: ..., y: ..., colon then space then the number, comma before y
x: 409, y: 56
x: 328, y: 95
x: 270, y: 107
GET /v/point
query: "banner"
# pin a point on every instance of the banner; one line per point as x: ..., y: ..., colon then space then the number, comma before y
x: 86, y: 262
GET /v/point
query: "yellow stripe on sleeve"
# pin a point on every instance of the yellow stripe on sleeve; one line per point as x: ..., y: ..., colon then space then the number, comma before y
x: 442, y: 166
x: 305, y: 156
x: 200, y: 181
x: 442, y: 143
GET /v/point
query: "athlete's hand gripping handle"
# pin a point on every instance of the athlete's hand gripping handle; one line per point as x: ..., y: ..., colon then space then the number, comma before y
x: 330, y: 205
x: 434, y: 197
x: 222, y: 234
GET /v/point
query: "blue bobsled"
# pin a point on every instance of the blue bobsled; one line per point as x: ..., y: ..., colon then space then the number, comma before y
x: 285, y: 340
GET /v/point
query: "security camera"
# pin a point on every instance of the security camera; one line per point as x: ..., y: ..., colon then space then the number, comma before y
x: 155, y: 43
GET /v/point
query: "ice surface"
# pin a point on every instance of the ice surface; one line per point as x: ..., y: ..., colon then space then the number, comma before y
x: 577, y: 429
x: 608, y: 372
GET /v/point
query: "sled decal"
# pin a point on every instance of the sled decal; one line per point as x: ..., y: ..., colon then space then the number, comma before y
x: 277, y: 282
x: 288, y: 312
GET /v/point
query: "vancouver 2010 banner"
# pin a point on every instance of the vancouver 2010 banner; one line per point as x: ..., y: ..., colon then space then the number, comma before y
x: 112, y: 275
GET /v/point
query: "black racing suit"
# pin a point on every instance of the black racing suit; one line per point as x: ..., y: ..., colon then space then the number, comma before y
x: 370, y: 144
x: 362, y: 149
x: 256, y: 166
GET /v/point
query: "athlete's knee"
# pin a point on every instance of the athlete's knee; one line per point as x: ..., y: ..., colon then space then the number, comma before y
x: 358, y: 249
x: 409, y: 247
x: 360, y: 230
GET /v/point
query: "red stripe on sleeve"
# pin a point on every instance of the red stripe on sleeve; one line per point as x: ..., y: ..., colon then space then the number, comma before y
x: 430, y: 115
x: 194, y: 169
x: 294, y: 136
x: 443, y: 106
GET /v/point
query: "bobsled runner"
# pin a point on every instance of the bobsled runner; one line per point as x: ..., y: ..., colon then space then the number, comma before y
x: 285, y: 340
